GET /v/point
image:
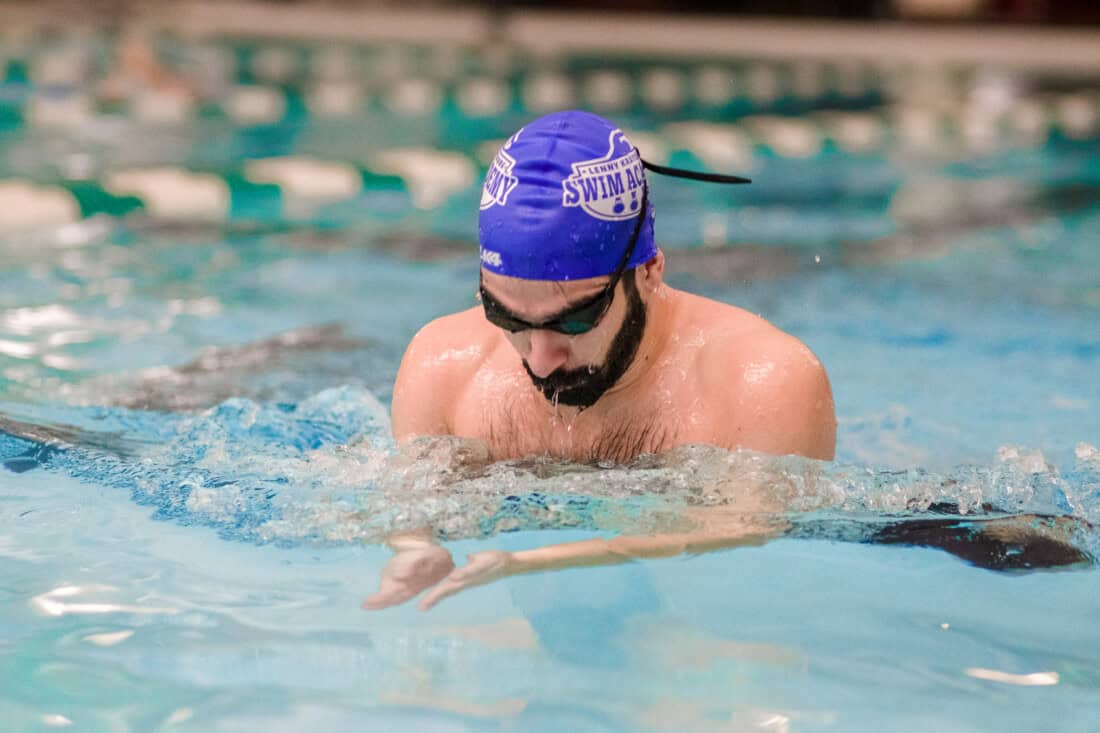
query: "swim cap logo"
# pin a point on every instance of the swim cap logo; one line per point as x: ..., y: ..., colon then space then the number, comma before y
x: 499, y: 181
x: 489, y: 257
x: 607, y: 188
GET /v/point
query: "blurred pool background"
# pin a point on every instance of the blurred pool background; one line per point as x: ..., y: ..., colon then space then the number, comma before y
x: 220, y: 224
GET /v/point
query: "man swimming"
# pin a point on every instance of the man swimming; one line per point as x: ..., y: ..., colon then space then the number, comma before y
x: 579, y: 350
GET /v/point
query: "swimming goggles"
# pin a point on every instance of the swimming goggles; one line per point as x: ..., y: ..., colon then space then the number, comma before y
x: 579, y: 318
x: 586, y: 315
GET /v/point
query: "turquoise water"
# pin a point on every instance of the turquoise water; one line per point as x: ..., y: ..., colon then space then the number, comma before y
x: 198, y: 469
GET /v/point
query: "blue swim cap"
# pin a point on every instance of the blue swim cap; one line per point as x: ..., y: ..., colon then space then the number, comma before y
x: 561, y: 201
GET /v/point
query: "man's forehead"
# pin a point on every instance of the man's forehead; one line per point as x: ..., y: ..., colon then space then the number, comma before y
x: 521, y: 289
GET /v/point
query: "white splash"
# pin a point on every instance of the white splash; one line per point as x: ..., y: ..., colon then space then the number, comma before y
x: 1027, y: 461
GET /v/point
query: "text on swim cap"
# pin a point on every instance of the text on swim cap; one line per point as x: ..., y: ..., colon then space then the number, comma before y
x: 489, y: 257
x: 609, y: 187
x: 499, y: 180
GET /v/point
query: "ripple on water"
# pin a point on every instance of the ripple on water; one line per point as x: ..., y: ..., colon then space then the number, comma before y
x: 325, y: 471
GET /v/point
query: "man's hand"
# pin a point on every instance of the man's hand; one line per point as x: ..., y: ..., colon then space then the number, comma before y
x: 417, y: 563
x: 481, y: 568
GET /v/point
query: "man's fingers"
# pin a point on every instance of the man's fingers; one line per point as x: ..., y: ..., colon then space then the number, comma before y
x: 391, y: 596
x: 480, y: 568
x: 423, y: 572
x: 453, y: 583
x: 403, y: 579
x: 435, y: 595
x: 472, y: 568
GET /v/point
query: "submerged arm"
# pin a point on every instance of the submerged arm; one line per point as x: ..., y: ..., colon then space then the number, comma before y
x: 417, y: 563
x: 719, y: 531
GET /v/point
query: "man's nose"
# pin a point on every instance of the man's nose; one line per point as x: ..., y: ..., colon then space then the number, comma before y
x: 548, y: 351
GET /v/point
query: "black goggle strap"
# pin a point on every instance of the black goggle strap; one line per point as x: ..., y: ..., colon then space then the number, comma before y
x: 664, y: 170
x: 638, y: 222
x: 491, y: 302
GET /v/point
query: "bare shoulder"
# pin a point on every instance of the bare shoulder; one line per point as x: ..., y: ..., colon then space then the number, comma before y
x: 439, y: 360
x: 774, y: 387
x: 727, y: 330
x: 452, y: 342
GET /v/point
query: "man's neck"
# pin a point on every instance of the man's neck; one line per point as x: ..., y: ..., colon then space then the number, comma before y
x: 660, y: 310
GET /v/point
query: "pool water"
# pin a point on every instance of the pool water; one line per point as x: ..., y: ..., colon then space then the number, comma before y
x: 198, y: 470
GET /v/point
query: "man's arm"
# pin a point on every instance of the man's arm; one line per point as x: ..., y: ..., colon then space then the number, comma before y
x: 717, y: 530
x: 435, y: 365
x: 417, y: 563
x: 753, y: 516
x: 781, y: 402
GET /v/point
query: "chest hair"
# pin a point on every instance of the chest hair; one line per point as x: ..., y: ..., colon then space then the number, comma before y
x: 510, y: 431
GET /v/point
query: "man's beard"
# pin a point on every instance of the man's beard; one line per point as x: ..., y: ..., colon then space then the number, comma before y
x: 583, y: 386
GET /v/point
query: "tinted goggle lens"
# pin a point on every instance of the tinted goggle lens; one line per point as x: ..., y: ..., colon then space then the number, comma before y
x: 580, y: 320
x: 583, y: 319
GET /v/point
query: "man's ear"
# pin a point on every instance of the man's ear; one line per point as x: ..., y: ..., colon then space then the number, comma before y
x: 652, y: 273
